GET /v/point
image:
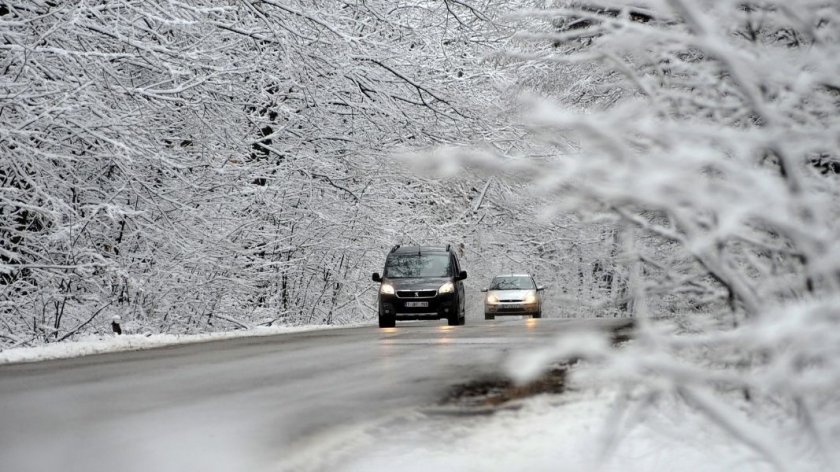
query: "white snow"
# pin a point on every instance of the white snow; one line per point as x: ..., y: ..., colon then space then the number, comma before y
x: 93, y: 344
x: 546, y: 433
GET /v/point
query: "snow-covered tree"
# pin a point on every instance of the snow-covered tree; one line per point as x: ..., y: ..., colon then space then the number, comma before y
x: 708, y: 133
x: 199, y: 165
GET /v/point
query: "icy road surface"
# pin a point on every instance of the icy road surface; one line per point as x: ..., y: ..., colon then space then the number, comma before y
x: 242, y: 404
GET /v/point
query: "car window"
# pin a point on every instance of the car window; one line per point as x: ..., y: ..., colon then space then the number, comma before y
x: 418, y: 265
x: 512, y: 283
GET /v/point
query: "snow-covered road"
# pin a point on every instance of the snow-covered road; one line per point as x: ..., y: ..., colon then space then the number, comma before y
x: 239, y: 404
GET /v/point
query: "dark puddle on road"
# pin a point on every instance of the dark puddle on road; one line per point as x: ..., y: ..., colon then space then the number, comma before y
x: 484, y: 395
x: 488, y: 394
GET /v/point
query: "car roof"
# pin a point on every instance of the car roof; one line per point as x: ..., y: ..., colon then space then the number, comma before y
x: 419, y: 249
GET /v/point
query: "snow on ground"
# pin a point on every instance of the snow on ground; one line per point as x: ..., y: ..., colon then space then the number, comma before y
x: 98, y: 344
x: 547, y: 433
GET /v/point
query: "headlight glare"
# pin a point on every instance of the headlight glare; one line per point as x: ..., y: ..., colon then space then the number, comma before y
x: 386, y: 289
x: 531, y: 298
x: 492, y: 299
x: 448, y: 287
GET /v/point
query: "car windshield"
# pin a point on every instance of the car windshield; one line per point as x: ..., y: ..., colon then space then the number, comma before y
x: 512, y: 283
x: 418, y: 265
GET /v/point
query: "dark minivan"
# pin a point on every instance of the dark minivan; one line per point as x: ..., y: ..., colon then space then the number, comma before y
x: 421, y: 283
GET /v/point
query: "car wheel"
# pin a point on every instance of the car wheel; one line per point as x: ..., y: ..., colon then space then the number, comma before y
x: 454, y: 319
x: 463, y: 319
x: 537, y: 315
x: 488, y: 316
x: 387, y: 321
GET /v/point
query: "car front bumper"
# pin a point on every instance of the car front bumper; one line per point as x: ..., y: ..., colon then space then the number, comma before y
x: 440, y: 306
x: 513, y: 309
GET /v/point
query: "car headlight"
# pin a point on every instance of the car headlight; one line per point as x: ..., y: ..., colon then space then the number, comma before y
x: 386, y: 289
x: 448, y: 287
x: 531, y: 298
x: 492, y: 299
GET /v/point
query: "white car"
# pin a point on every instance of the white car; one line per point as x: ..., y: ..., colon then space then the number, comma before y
x: 512, y: 294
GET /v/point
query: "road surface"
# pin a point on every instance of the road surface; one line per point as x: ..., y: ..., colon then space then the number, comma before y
x: 244, y: 404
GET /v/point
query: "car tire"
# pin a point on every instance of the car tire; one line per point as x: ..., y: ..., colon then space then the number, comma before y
x: 463, y: 319
x: 387, y: 321
x: 537, y: 315
x: 489, y: 317
x: 453, y: 319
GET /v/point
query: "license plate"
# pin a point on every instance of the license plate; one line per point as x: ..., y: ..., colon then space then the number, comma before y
x: 513, y: 306
x: 416, y: 304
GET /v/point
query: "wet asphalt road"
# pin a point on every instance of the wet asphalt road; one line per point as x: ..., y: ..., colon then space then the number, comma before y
x: 239, y: 404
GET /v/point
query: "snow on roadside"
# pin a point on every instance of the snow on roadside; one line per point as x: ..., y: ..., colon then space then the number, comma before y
x: 548, y: 433
x: 93, y: 344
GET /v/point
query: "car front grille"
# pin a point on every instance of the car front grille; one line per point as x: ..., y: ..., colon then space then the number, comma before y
x: 511, y: 308
x: 416, y: 293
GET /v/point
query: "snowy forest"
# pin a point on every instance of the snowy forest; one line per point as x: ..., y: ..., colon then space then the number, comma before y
x: 196, y: 166
x: 192, y: 166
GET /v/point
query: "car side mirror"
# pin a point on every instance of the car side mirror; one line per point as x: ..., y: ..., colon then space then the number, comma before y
x: 484, y: 289
x: 376, y: 277
x: 540, y: 288
x: 462, y: 275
